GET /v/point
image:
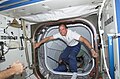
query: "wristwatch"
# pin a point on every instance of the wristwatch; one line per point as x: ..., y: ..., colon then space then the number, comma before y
x: 91, y: 49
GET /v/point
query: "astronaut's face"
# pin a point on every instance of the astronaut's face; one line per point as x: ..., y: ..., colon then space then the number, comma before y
x: 63, y: 30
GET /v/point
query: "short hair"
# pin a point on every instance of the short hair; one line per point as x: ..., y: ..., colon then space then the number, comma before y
x: 64, y: 25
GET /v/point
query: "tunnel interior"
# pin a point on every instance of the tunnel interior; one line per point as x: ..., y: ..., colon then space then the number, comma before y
x: 49, y: 52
